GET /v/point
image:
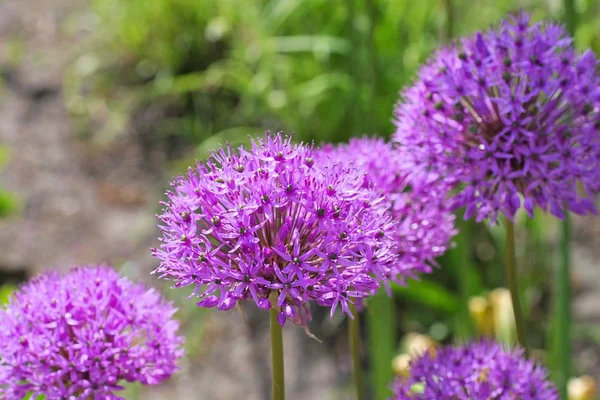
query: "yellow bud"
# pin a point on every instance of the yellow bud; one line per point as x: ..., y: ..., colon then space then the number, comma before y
x: 417, y: 344
x: 582, y: 388
x: 503, y: 315
x: 482, y: 315
x: 401, y: 365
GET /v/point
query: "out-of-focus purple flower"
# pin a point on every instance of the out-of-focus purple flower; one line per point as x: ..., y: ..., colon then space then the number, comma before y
x: 83, y: 334
x: 265, y: 220
x: 416, y: 200
x: 477, y: 371
x: 512, y: 115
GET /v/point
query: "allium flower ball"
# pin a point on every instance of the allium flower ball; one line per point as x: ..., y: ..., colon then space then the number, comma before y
x: 266, y: 220
x: 477, y: 371
x: 81, y: 335
x: 416, y: 200
x: 512, y: 116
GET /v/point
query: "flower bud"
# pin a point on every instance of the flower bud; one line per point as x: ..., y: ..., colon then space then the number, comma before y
x: 401, y: 365
x: 417, y: 344
x: 503, y: 315
x: 581, y: 388
x: 482, y: 315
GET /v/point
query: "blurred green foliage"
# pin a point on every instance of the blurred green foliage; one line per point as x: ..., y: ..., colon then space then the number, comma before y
x: 326, y: 70
x: 5, y: 292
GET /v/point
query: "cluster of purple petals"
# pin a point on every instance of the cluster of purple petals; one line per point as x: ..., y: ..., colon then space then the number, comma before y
x: 477, y: 371
x: 512, y: 116
x: 416, y: 200
x: 80, y: 335
x: 267, y: 224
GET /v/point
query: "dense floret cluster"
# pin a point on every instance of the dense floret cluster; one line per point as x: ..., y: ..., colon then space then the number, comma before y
x: 477, y: 371
x: 81, y: 335
x: 269, y: 225
x: 512, y: 115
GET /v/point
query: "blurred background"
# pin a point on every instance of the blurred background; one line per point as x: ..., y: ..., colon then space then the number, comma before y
x: 103, y: 101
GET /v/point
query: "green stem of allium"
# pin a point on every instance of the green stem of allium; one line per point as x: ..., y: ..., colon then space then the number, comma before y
x: 278, y: 381
x: 511, y: 278
x: 449, y: 26
x: 460, y: 257
x: 381, y: 334
x: 562, y: 352
x: 354, y: 339
x: 570, y: 16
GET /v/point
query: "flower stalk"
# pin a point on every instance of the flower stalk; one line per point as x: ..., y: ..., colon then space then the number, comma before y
x: 512, y: 281
x: 354, y: 339
x: 562, y: 351
x: 382, y: 342
x: 277, y: 365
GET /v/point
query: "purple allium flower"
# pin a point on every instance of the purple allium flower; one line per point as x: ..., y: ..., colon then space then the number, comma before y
x: 265, y: 220
x: 477, y: 371
x: 416, y: 200
x: 78, y: 336
x: 512, y: 116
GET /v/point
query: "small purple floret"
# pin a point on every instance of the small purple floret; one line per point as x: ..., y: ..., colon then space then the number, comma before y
x: 84, y: 334
x: 512, y: 116
x: 477, y: 371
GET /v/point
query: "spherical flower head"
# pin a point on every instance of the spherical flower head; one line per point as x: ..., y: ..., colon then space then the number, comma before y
x: 416, y: 201
x: 266, y: 223
x: 477, y: 371
x: 512, y: 116
x: 81, y: 335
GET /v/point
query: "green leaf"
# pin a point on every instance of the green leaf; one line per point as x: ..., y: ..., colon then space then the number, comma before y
x: 430, y: 293
x: 5, y: 292
x: 318, y: 85
x: 29, y: 396
x: 8, y: 204
x: 235, y: 136
x: 308, y: 43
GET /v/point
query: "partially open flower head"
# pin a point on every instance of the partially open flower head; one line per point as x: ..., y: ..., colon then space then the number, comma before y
x: 83, y: 334
x: 265, y: 223
x: 512, y: 115
x: 416, y: 200
x: 477, y: 371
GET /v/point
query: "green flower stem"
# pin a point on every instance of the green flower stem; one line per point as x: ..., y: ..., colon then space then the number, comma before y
x: 562, y: 351
x: 460, y: 257
x: 511, y: 278
x: 562, y: 291
x: 449, y: 25
x: 354, y: 339
x: 381, y: 334
x: 278, y: 381
x: 570, y: 16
